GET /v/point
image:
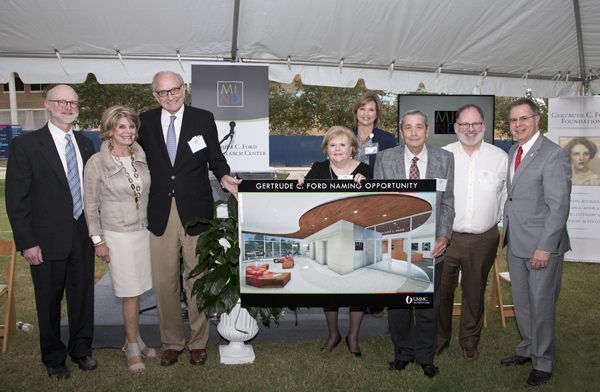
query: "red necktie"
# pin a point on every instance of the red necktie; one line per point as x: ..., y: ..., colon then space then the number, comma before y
x: 414, y: 170
x: 518, y: 159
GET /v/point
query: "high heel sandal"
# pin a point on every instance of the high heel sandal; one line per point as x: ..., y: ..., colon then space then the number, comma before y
x: 334, y: 346
x: 151, y: 352
x: 132, y: 350
x: 357, y: 355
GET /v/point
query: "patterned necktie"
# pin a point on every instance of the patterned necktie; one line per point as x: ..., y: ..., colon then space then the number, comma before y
x: 73, y: 177
x: 414, y: 170
x: 518, y: 158
x: 171, y: 140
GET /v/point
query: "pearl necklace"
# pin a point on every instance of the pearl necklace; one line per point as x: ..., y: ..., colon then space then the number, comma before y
x: 134, y: 187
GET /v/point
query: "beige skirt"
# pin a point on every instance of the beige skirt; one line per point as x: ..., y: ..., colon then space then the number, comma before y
x: 130, y: 266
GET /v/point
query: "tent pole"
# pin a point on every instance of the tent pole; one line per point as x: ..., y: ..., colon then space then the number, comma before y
x: 577, y: 13
x: 14, y: 117
x: 234, y: 38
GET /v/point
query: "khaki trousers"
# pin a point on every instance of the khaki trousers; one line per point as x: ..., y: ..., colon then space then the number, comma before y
x: 166, y: 275
x: 474, y: 255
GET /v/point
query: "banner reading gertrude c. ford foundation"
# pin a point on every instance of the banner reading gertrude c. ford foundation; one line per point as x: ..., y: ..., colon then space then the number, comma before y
x: 337, y: 243
x: 574, y: 124
x: 239, y: 94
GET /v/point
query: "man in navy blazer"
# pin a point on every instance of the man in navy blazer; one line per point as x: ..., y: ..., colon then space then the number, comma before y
x: 181, y: 145
x: 51, y: 235
x: 535, y: 230
x: 418, y: 341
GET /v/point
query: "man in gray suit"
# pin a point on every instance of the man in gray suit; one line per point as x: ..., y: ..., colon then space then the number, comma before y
x: 535, y: 218
x: 418, y: 341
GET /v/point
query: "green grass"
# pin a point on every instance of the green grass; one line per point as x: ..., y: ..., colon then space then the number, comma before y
x: 300, y: 366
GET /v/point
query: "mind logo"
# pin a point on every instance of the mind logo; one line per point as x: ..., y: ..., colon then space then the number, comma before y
x: 230, y: 94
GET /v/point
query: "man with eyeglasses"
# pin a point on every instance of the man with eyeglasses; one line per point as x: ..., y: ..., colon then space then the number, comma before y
x: 479, y: 196
x: 44, y: 202
x: 181, y: 145
x: 535, y: 230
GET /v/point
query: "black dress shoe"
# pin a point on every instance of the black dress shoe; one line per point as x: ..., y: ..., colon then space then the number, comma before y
x: 430, y: 370
x: 516, y: 360
x: 59, y: 371
x: 398, y: 365
x: 86, y: 362
x: 356, y: 354
x: 538, y: 377
x: 334, y: 346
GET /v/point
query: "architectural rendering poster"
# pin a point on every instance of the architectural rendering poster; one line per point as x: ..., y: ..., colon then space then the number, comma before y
x: 238, y: 96
x: 574, y: 124
x: 336, y: 243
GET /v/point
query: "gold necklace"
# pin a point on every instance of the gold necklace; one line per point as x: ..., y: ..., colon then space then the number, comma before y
x: 135, y: 188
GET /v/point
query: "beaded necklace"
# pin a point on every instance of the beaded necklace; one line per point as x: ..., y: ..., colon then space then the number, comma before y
x: 134, y: 187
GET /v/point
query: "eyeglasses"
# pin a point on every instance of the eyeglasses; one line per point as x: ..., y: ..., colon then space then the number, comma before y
x: 173, y: 91
x: 465, y: 126
x: 63, y: 104
x: 514, y: 121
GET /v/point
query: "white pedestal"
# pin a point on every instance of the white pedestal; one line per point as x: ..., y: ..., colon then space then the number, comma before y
x: 239, y: 354
x: 237, y: 327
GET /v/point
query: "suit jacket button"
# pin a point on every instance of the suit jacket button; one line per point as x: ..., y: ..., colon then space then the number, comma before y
x: 510, y: 199
x: 172, y: 177
x: 169, y: 194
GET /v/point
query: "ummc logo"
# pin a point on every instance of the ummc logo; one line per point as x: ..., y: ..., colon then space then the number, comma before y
x: 417, y: 300
x: 230, y: 94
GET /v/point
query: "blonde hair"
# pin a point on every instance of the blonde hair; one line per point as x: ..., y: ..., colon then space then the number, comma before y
x: 364, y: 99
x: 338, y: 130
x: 111, y: 117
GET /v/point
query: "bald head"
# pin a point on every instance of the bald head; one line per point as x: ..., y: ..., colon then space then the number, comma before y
x: 62, y: 103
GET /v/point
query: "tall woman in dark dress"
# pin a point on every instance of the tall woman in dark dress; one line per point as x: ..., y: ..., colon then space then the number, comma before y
x: 339, y: 145
x: 367, y: 112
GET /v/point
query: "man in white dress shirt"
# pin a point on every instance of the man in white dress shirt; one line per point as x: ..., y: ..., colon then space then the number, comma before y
x: 480, y: 192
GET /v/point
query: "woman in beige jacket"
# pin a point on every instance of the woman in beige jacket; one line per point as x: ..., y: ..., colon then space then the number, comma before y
x: 116, y: 187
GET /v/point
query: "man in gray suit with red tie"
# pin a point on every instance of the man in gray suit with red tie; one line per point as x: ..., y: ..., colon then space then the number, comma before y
x: 535, y: 219
x: 181, y: 145
x: 418, y: 341
x: 44, y: 202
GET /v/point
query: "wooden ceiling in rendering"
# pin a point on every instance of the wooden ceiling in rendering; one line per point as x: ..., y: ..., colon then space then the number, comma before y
x: 388, y: 212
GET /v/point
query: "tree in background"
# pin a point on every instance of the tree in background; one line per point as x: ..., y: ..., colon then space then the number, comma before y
x: 299, y: 108
x: 95, y: 98
x: 502, y: 127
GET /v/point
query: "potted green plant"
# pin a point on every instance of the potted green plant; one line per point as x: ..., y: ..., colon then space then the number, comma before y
x: 218, y: 250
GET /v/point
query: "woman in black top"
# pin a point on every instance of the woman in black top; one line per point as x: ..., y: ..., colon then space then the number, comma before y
x: 339, y: 145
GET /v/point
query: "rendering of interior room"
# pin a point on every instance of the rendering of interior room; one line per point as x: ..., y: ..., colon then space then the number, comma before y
x: 337, y: 243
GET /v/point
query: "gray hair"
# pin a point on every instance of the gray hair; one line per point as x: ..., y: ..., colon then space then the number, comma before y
x: 412, y: 113
x: 160, y: 73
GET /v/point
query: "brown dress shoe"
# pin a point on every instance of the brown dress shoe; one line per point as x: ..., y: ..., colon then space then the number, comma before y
x: 470, y: 354
x: 441, y: 347
x: 377, y: 314
x: 198, y: 357
x: 169, y: 357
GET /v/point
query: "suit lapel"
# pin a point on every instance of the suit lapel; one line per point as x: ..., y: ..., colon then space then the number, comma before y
x: 185, y: 133
x: 48, y: 150
x: 433, y: 164
x: 526, y: 160
x: 155, y: 127
x: 83, y: 149
x: 400, y: 169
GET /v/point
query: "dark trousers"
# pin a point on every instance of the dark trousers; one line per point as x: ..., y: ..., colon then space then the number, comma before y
x: 416, y: 340
x: 75, y: 276
x: 473, y: 254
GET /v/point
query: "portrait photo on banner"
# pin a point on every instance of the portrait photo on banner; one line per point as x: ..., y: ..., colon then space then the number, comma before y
x: 336, y: 243
x: 585, y: 162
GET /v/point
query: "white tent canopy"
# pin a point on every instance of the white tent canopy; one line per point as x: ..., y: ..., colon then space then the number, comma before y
x: 504, y: 47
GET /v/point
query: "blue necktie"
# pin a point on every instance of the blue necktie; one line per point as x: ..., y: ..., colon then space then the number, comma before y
x: 171, y: 140
x: 73, y: 177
